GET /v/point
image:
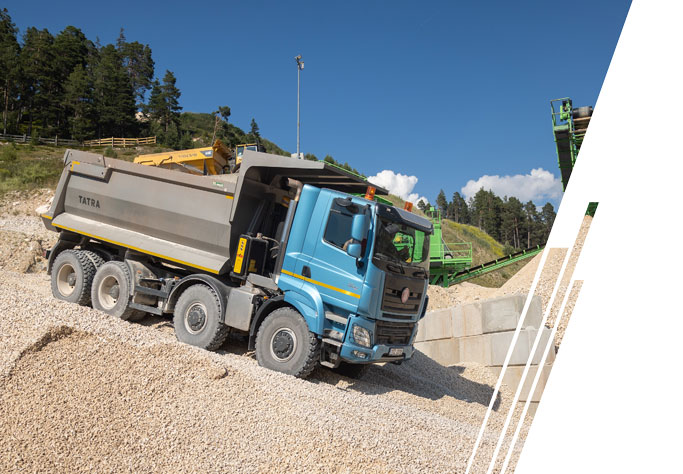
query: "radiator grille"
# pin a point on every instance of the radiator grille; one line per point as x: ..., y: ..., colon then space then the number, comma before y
x: 393, y: 334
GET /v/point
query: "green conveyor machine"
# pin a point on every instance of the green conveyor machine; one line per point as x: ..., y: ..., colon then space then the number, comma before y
x: 569, y: 127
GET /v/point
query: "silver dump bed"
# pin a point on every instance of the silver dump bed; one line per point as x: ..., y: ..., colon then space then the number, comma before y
x: 182, y: 218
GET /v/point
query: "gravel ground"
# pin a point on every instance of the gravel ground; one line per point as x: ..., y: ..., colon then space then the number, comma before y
x: 84, y: 391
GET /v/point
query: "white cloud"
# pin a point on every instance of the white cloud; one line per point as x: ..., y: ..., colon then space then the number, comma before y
x: 399, y: 185
x: 538, y: 185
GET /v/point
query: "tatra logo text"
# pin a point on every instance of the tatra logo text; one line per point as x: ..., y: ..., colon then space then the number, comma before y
x: 87, y: 201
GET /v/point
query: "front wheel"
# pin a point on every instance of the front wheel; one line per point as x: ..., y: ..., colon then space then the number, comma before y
x: 285, y: 344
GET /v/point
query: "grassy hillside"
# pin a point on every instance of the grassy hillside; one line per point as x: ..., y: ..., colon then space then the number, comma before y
x: 201, y: 125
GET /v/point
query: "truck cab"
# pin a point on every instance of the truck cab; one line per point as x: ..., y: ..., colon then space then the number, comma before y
x: 345, y: 271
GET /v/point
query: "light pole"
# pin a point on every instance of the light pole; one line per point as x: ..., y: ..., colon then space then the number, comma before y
x: 299, y: 68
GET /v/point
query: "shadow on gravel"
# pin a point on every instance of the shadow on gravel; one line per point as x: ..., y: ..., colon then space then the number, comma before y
x: 420, y: 376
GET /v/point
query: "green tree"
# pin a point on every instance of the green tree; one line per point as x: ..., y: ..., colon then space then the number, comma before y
x: 460, y: 210
x: 139, y: 65
x: 71, y: 49
x: 79, y: 104
x: 442, y: 203
x: 254, y: 133
x: 113, y: 95
x: 547, y: 219
x: 164, y: 108
x: 512, y: 221
x: 9, y: 64
x: 38, y: 86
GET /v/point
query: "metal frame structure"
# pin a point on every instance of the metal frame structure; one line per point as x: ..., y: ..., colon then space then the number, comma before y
x: 446, y: 259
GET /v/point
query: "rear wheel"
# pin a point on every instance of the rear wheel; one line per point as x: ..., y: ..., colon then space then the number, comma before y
x: 196, y: 318
x: 111, y: 290
x: 285, y: 344
x: 72, y: 277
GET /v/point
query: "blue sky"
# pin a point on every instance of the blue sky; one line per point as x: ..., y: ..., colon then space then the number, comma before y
x: 446, y: 92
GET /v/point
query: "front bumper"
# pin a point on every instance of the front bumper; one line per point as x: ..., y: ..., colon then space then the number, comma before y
x: 379, y: 352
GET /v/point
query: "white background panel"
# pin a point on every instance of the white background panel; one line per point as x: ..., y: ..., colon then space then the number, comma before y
x: 612, y: 403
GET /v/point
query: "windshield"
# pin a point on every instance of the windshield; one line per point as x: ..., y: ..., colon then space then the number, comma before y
x: 401, y: 243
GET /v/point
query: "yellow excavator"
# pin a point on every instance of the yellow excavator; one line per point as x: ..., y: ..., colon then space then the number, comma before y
x: 216, y: 159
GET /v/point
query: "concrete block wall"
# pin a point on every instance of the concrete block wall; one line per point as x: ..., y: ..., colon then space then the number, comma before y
x: 482, y: 332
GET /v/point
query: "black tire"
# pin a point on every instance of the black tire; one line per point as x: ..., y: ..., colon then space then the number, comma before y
x: 196, y: 318
x: 111, y: 290
x: 285, y: 344
x: 95, y: 258
x: 352, y: 371
x: 72, y: 276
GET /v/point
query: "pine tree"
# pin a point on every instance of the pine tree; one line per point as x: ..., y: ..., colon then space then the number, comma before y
x: 79, y: 104
x: 9, y: 64
x: 255, y: 130
x: 38, y: 87
x: 442, y: 203
x: 547, y: 219
x: 163, y: 108
x: 71, y: 49
x: 113, y: 96
x: 460, y: 209
x: 139, y: 65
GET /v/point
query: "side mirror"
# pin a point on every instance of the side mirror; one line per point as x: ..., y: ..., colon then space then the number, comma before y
x: 359, y: 227
x: 354, y: 249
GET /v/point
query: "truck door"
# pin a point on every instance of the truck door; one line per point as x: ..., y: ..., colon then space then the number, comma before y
x: 336, y: 274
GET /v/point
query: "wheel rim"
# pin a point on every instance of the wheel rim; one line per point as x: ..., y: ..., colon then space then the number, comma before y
x: 283, y: 344
x: 108, y: 292
x: 195, y: 318
x: 66, y: 279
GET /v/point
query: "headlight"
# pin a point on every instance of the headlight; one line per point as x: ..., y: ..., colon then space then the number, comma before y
x: 361, y: 336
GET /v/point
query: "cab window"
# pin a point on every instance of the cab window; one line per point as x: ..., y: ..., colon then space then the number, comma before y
x: 338, y: 230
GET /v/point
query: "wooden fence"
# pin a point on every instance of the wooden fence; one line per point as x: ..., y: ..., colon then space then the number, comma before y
x: 113, y: 142
x: 43, y: 141
x: 121, y: 142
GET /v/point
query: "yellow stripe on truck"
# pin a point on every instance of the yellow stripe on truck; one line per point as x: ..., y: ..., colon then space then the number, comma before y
x: 136, y: 249
x: 319, y: 283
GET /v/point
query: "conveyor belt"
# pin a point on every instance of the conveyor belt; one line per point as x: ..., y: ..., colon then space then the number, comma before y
x: 494, y: 265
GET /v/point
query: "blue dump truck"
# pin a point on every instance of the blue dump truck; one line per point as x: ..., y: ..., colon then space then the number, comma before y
x: 295, y: 255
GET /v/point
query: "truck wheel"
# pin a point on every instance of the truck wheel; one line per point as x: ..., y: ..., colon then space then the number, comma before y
x: 111, y: 290
x: 196, y: 318
x: 72, y: 277
x: 95, y: 258
x: 352, y: 371
x: 285, y: 344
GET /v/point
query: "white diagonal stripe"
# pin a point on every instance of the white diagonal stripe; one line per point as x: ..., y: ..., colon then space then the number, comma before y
x: 518, y: 392
x: 520, y: 323
x: 537, y: 377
